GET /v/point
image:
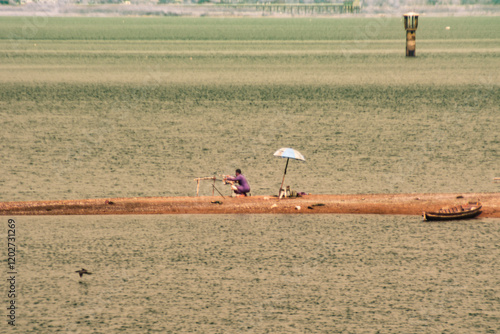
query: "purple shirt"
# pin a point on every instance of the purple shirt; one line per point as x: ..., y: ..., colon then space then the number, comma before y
x: 244, y: 186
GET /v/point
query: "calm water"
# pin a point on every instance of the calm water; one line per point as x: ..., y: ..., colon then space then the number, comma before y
x: 365, y: 123
x: 359, y: 140
x: 256, y: 274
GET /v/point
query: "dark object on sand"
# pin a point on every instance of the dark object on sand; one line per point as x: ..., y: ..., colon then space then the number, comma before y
x: 469, y: 210
x: 82, y: 272
x: 314, y: 205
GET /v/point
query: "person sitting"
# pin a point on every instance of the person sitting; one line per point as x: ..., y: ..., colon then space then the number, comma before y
x: 241, y: 187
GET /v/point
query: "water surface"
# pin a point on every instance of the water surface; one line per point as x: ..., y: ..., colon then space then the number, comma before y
x: 257, y: 274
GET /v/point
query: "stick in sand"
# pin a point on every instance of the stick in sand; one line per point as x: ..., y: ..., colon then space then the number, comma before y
x: 213, y: 185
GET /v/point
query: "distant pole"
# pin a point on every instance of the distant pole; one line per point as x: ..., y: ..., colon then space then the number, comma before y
x: 411, y: 24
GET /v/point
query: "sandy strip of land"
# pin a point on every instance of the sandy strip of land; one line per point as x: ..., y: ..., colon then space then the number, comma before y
x: 389, y: 204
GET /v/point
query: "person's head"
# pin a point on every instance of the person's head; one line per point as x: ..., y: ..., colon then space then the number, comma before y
x: 238, y: 171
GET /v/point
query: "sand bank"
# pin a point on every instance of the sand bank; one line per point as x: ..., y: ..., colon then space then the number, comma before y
x: 390, y: 204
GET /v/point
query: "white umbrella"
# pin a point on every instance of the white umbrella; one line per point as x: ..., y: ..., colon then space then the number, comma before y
x: 288, y: 153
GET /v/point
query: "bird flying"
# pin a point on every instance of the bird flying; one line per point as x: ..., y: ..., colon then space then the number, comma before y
x: 83, y: 271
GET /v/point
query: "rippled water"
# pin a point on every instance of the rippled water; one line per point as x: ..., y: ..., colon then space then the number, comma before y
x: 77, y: 141
x: 256, y: 274
x: 136, y: 118
x: 253, y: 274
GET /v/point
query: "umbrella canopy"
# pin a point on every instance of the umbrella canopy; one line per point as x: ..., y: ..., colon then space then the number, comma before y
x: 288, y: 153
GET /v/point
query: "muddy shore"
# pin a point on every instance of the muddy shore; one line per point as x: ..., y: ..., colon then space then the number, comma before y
x: 390, y: 204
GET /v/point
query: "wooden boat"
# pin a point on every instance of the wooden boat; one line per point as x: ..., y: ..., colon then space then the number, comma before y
x: 469, y: 210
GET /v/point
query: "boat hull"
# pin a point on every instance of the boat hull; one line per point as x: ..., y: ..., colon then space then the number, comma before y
x: 466, y: 214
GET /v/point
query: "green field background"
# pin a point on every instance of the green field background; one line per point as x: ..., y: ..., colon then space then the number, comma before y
x: 120, y: 107
x: 42, y: 27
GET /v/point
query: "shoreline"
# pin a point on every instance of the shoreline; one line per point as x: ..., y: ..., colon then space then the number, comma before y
x: 387, y: 204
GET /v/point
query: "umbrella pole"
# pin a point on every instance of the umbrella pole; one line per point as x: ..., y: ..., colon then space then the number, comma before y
x: 284, y: 174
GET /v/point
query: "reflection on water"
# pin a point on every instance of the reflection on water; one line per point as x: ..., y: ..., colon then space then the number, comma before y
x: 257, y: 273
